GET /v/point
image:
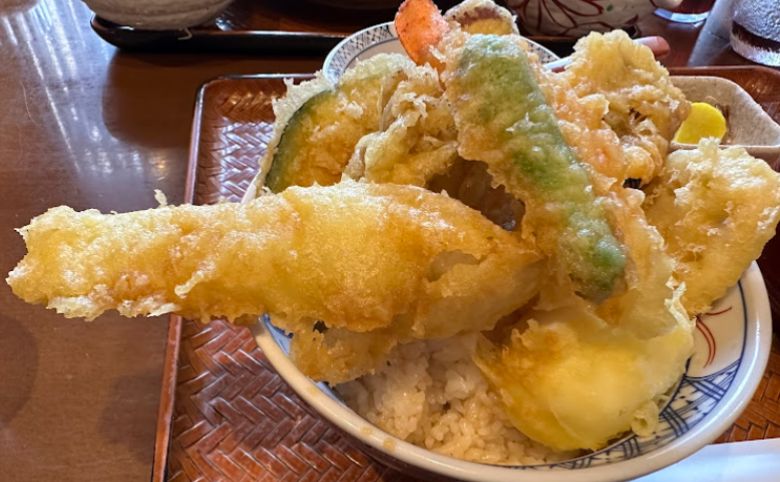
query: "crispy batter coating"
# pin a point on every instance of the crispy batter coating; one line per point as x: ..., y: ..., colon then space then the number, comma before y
x: 641, y: 306
x: 416, y: 136
x: 504, y: 120
x: 318, y: 124
x: 456, y: 281
x: 570, y: 381
x: 285, y: 109
x: 644, y: 107
x: 354, y: 270
x: 355, y: 255
x: 338, y: 355
x: 716, y: 209
x: 581, y: 120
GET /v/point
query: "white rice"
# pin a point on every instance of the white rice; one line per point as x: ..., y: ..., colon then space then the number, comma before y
x: 433, y: 395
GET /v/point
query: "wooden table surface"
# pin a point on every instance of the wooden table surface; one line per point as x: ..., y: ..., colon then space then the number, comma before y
x: 85, y: 125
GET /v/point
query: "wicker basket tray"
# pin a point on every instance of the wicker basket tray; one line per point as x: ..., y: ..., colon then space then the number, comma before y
x: 232, y: 417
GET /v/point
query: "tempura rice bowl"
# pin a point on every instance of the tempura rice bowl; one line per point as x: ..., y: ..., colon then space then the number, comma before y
x: 432, y: 394
x: 731, y: 351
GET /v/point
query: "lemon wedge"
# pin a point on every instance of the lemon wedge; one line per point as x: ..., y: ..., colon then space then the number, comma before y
x: 705, y: 120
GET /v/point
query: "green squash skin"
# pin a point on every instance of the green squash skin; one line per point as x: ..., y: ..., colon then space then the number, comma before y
x: 302, y: 159
x: 281, y: 175
x: 501, y: 99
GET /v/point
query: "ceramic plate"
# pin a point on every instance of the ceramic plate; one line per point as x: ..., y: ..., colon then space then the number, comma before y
x: 749, y: 126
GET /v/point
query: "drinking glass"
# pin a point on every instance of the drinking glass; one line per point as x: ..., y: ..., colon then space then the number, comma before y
x: 755, y: 31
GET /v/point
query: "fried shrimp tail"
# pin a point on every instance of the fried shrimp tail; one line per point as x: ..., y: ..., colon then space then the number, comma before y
x: 356, y: 256
x: 420, y: 26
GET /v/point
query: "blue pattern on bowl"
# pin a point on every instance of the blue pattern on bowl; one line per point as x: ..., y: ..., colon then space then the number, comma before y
x: 731, y: 347
x: 695, y: 397
x: 382, y: 38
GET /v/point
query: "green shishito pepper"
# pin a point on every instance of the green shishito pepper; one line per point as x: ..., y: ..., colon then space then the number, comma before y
x: 504, y: 120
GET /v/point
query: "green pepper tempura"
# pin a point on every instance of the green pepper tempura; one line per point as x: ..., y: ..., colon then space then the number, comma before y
x: 505, y: 121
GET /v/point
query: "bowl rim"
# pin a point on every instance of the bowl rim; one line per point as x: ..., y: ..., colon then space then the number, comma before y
x: 333, y: 74
x: 747, y: 378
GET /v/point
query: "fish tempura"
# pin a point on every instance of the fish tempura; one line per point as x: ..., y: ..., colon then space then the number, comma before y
x: 353, y: 255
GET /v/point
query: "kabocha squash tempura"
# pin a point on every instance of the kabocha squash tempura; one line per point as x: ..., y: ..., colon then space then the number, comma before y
x: 323, y: 122
x: 566, y: 326
x: 385, y: 121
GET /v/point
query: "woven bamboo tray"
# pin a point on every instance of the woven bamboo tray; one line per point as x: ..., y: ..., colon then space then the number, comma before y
x: 225, y: 413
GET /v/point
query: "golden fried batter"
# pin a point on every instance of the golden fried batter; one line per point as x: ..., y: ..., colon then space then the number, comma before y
x: 716, y: 209
x: 643, y: 106
x: 354, y: 270
x: 337, y: 355
x: 416, y: 138
x: 504, y: 120
x: 354, y: 255
x: 641, y: 306
x: 570, y: 381
x: 318, y: 124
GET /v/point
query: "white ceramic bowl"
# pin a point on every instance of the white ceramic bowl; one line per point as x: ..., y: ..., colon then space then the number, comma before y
x: 158, y: 14
x: 575, y: 18
x: 731, y: 350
